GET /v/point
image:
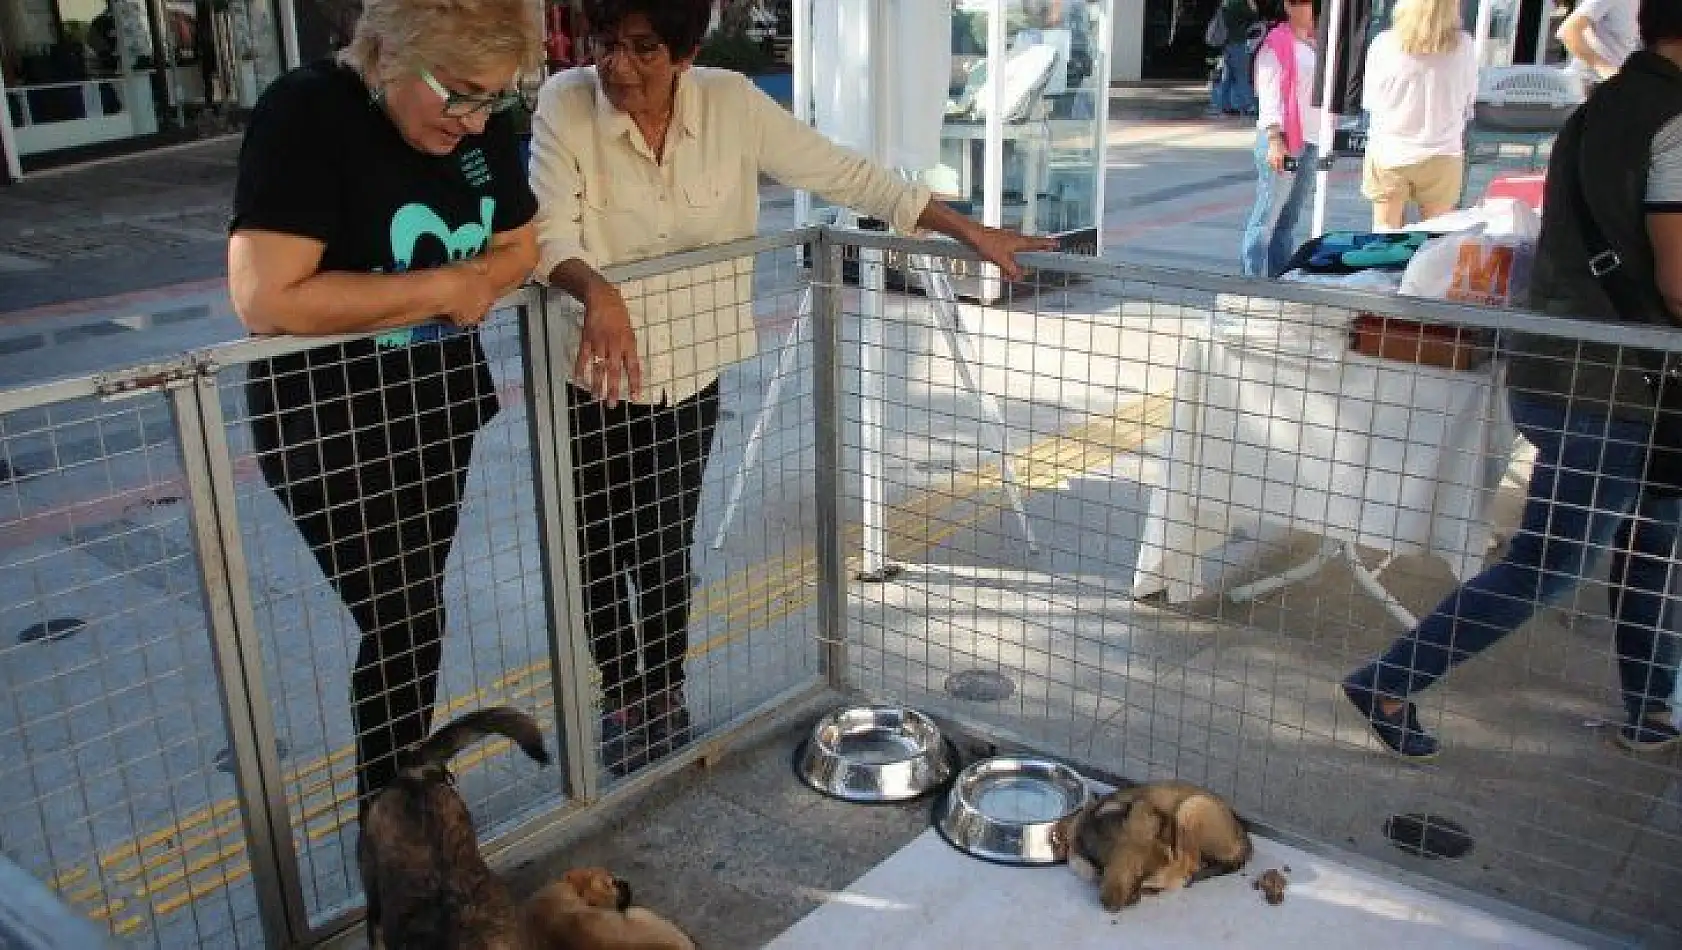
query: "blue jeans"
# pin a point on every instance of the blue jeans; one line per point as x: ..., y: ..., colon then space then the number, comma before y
x: 1585, y: 492
x: 1233, y: 92
x: 1270, y: 237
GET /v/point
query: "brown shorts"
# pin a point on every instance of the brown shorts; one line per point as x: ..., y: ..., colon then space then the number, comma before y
x: 1435, y: 182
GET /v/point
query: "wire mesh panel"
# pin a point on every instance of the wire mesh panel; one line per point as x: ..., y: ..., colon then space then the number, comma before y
x: 1162, y: 524
x: 114, y: 752
x: 385, y: 497
x: 694, y: 502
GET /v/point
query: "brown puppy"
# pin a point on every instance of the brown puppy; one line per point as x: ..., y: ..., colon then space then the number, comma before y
x: 427, y: 885
x: 590, y: 909
x: 1150, y: 838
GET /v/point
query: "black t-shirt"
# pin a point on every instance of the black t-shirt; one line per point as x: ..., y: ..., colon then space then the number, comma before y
x: 322, y: 160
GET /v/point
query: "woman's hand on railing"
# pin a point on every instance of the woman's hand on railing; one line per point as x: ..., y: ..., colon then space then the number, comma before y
x: 607, y: 348
x: 470, y: 293
x: 1000, y: 246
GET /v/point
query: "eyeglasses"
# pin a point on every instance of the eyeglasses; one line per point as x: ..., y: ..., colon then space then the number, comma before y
x: 644, y: 50
x: 465, y: 105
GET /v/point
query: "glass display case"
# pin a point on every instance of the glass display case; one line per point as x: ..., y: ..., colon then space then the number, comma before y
x: 1024, y: 152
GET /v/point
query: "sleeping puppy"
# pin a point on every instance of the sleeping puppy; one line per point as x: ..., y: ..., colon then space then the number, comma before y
x: 590, y: 909
x: 427, y: 885
x: 1150, y: 838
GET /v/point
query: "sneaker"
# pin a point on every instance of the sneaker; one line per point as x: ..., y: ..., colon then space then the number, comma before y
x: 1653, y: 732
x: 668, y: 724
x: 1400, y: 732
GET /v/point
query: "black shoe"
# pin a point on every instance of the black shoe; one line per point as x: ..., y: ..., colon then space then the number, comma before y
x: 1400, y: 731
x: 1652, y: 731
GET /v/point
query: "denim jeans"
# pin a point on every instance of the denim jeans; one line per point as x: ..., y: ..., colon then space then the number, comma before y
x: 1233, y: 92
x: 1585, y: 492
x: 1270, y: 237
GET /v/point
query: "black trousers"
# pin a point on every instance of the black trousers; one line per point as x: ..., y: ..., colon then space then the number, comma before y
x: 637, y: 474
x: 373, y: 481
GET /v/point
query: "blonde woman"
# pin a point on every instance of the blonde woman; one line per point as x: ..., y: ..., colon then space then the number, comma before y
x: 384, y: 191
x: 1421, y: 81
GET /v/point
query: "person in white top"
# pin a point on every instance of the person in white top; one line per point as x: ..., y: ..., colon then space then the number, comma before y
x: 1421, y: 82
x: 1600, y: 35
x: 638, y: 156
x: 1287, y: 123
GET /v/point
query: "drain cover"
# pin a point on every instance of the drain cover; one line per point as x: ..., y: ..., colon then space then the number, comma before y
x: 1428, y: 836
x: 225, y: 760
x: 980, y: 686
x: 58, y: 628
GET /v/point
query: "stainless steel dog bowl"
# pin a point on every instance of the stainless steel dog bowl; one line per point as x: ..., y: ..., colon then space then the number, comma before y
x: 875, y: 754
x: 1003, y: 809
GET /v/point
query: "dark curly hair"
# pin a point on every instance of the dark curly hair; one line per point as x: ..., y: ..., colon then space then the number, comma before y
x: 680, y: 24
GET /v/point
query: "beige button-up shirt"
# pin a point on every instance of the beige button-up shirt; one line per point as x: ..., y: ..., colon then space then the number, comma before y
x: 605, y: 200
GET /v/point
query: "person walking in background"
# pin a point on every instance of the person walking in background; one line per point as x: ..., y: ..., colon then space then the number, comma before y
x: 1233, y: 95
x: 1287, y: 124
x: 377, y: 192
x: 1421, y: 83
x: 1614, y: 185
x: 1600, y: 35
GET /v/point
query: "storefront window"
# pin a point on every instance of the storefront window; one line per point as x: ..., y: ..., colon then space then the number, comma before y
x: 84, y: 72
x: 1053, y: 112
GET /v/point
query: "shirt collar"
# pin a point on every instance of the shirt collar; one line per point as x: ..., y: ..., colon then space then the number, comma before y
x: 686, y: 108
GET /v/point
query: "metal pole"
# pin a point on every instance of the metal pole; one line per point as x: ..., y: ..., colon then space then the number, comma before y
x: 289, y: 52
x: 1103, y: 35
x: 8, y: 136
x: 827, y: 391
x: 1480, y: 33
x: 1328, y: 119
x: 208, y: 472
x: 993, y: 142
x: 873, y: 281
x: 551, y: 437
x: 801, y: 11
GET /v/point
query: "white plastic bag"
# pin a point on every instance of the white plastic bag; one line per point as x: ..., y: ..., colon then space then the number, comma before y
x: 1487, y: 264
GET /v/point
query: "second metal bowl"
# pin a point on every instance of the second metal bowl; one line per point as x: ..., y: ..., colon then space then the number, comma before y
x: 1004, y: 809
x: 875, y: 754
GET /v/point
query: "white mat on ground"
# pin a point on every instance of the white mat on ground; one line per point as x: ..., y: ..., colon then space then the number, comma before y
x: 929, y: 896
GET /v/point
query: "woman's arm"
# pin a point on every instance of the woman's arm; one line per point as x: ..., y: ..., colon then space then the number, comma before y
x: 277, y: 288
x: 800, y: 156
x: 607, y: 346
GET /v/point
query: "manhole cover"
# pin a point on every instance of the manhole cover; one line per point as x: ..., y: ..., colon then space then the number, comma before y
x: 225, y: 760
x: 1429, y: 836
x: 980, y: 686
x: 58, y: 628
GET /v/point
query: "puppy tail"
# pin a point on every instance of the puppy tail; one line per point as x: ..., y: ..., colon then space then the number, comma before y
x: 465, y: 730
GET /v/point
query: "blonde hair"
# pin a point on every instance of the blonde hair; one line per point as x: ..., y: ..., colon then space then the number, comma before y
x: 1425, y: 27
x: 394, y: 37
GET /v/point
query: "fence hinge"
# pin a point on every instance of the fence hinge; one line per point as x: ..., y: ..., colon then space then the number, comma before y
x: 145, y: 378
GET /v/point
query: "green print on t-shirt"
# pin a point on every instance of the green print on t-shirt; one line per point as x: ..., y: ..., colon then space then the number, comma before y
x: 415, y: 221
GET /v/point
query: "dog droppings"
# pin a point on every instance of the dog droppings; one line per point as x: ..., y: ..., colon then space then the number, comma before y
x: 1428, y: 836
x: 1272, y: 886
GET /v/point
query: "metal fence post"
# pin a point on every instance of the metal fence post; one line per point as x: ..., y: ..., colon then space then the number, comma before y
x: 830, y: 502
x: 557, y: 519
x: 207, y: 468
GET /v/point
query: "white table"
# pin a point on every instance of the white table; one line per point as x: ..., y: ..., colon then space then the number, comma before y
x: 1367, y: 453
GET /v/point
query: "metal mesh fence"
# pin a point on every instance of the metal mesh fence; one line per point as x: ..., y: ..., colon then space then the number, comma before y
x: 113, y: 746
x: 391, y: 538
x: 696, y: 508
x: 1201, y: 506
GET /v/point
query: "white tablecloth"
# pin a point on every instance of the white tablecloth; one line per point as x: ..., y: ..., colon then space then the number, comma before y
x: 1384, y: 454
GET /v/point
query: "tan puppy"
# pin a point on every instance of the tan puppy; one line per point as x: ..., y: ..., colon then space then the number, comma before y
x: 1150, y: 838
x: 590, y: 909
